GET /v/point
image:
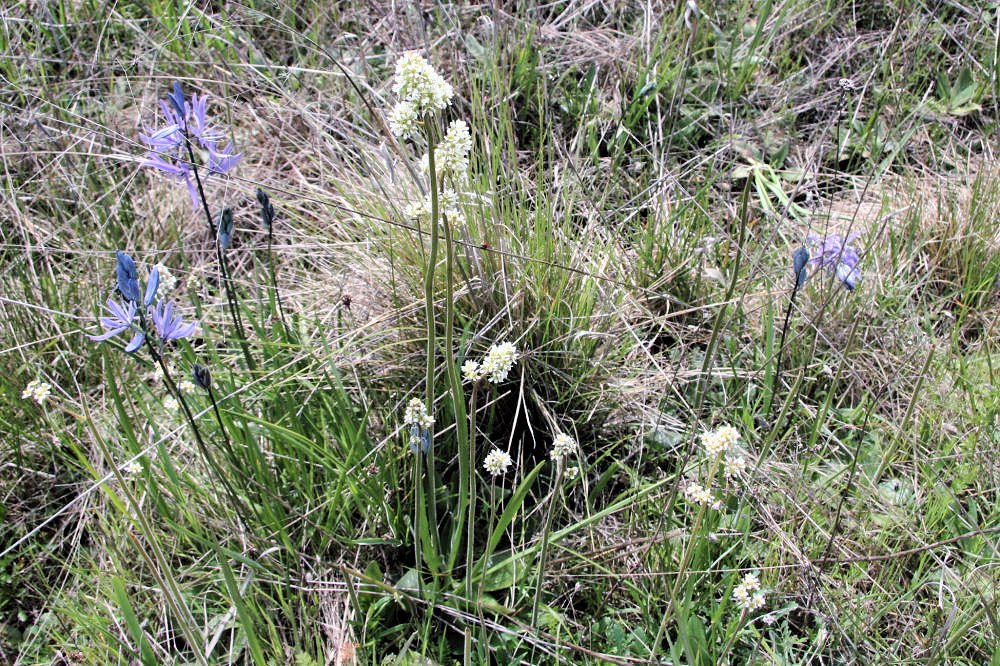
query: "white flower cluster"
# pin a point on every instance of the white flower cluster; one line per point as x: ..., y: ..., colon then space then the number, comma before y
x: 747, y: 594
x: 37, y: 391
x: 416, y: 415
x: 724, y: 441
x: 404, y: 120
x: 167, y: 279
x: 721, y: 440
x: 497, y: 462
x: 698, y: 494
x: 571, y: 473
x: 448, y: 201
x: 452, y: 154
x: 421, y: 90
x: 131, y: 468
x: 562, y: 445
x: 496, y: 366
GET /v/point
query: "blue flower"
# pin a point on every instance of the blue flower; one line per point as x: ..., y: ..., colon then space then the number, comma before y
x: 177, y: 97
x: 169, y: 327
x: 128, y: 277
x: 420, y: 439
x: 799, y: 261
x: 225, y: 228
x: 837, y: 256
x: 168, y: 148
x: 122, y: 319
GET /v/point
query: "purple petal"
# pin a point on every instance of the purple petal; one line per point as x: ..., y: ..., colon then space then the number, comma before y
x: 157, y: 162
x: 152, y: 284
x: 109, y: 334
x: 119, y: 312
x: 192, y: 191
x: 184, y: 331
x: 135, y: 342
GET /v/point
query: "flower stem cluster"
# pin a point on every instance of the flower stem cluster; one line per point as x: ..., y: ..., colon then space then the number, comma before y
x: 165, y: 323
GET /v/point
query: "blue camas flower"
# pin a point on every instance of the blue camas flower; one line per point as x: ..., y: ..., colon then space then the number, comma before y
x: 168, y: 326
x: 127, y: 276
x: 799, y: 261
x: 122, y: 319
x: 130, y: 314
x: 837, y: 256
x: 185, y: 119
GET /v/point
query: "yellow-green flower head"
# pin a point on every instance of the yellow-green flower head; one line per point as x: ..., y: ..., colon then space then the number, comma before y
x: 418, y: 83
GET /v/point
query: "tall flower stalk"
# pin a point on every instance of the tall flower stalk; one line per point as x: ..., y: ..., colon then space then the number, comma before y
x: 422, y: 93
x: 146, y: 322
x: 172, y: 151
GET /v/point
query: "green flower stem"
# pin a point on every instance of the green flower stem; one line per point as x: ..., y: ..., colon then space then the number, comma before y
x: 431, y: 499
x: 471, y: 489
x: 543, y: 555
x: 230, y: 296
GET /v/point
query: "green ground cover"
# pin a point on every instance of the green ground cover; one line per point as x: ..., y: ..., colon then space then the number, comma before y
x: 566, y: 401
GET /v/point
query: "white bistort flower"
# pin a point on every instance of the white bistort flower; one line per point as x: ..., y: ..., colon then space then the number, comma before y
x: 470, y: 371
x: 404, y: 120
x: 562, y: 445
x: 415, y: 413
x: 452, y: 155
x: 497, y: 462
x: 698, y: 494
x: 420, y: 84
x: 167, y: 279
x: 747, y: 594
x: 498, y: 362
x: 734, y: 466
x: 720, y: 441
x: 36, y: 390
